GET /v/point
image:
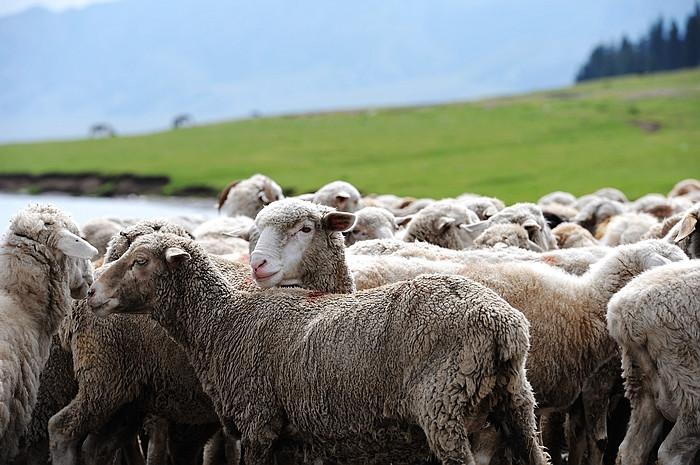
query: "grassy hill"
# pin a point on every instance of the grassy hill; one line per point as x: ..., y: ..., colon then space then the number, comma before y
x: 639, y: 134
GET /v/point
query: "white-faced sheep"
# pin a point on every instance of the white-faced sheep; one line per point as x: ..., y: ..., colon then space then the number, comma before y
x: 43, y: 265
x: 248, y: 196
x: 340, y: 195
x: 302, y: 239
x: 505, y: 235
x: 655, y: 320
x: 444, y: 223
x: 130, y: 365
x: 570, y: 235
x: 372, y: 223
x: 529, y: 216
x: 391, y: 374
x: 570, y: 341
x: 484, y: 207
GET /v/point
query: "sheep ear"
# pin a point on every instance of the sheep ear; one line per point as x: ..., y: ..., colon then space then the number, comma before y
x: 338, y: 221
x: 403, y: 220
x: 176, y: 254
x: 239, y: 233
x: 687, y: 227
x: 490, y: 211
x: 75, y: 246
x: 443, y: 223
x: 534, y: 247
x: 342, y: 196
x: 475, y: 228
x: 656, y: 260
x: 530, y: 224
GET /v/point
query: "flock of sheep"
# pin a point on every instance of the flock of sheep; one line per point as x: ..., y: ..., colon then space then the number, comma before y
x: 332, y: 328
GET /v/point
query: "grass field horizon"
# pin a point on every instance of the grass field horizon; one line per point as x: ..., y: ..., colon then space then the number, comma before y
x: 639, y: 134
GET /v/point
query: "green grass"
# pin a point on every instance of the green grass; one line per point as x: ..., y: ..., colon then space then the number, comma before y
x: 517, y: 148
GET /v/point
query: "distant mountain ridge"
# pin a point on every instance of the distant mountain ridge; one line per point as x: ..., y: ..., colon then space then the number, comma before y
x: 136, y: 64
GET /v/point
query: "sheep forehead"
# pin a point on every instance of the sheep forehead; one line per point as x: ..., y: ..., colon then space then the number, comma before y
x: 36, y: 221
x: 287, y: 213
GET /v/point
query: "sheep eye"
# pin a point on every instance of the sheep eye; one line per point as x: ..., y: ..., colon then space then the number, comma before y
x: 140, y: 261
x: 306, y: 229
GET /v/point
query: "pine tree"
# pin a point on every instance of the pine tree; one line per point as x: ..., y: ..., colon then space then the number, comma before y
x: 691, y: 43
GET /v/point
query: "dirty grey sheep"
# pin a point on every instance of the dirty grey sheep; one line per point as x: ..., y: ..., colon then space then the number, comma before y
x: 396, y: 373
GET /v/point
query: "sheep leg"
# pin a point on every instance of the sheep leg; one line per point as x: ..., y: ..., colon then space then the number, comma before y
x: 520, y: 423
x: 682, y: 443
x: 645, y: 425
x: 74, y: 422
x: 552, y: 427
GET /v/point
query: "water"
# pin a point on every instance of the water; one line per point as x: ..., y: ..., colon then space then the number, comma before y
x: 85, y: 208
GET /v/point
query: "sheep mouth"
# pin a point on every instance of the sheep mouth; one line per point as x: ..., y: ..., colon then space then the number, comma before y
x: 264, y: 277
x: 102, y: 308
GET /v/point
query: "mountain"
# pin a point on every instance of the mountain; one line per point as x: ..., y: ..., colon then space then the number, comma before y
x: 135, y: 64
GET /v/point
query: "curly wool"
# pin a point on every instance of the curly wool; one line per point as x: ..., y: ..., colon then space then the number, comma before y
x: 440, y: 353
x: 37, y: 280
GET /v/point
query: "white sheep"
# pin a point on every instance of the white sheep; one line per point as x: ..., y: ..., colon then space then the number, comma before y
x: 529, y: 216
x: 570, y: 235
x: 398, y: 373
x: 341, y: 195
x: 248, y: 196
x: 372, y: 223
x: 444, y: 223
x: 505, y: 235
x: 212, y: 234
x: 654, y: 318
x: 44, y: 263
x: 625, y: 228
x: 563, y: 308
x: 484, y: 207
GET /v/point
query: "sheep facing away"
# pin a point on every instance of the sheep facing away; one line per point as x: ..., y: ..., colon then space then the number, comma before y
x: 391, y: 374
x: 43, y: 265
x: 248, y: 196
x: 655, y: 321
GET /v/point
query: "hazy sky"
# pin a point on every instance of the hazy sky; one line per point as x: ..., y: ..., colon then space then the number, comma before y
x: 319, y: 55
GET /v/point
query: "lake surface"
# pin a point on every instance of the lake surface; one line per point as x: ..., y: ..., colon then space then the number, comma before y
x: 85, y: 208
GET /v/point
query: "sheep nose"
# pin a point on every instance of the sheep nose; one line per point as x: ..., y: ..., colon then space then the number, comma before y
x: 91, y: 292
x: 258, y: 264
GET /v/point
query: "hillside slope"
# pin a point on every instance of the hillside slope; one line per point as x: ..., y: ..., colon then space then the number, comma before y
x: 640, y: 134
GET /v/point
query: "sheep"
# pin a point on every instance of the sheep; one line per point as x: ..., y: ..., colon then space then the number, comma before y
x: 575, y: 260
x: 660, y: 206
x: 44, y: 263
x: 98, y: 231
x: 391, y: 374
x: 549, y: 291
x: 557, y: 197
x: 593, y: 210
x: 686, y: 232
x: 443, y: 223
x: 685, y: 187
x: 129, y: 364
x: 310, y: 235
x: 484, y: 207
x: 372, y: 223
x: 654, y: 319
x: 529, y: 216
x: 212, y: 234
x: 570, y: 235
x: 505, y: 235
x: 625, y: 228
x: 341, y: 195
x: 248, y: 196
